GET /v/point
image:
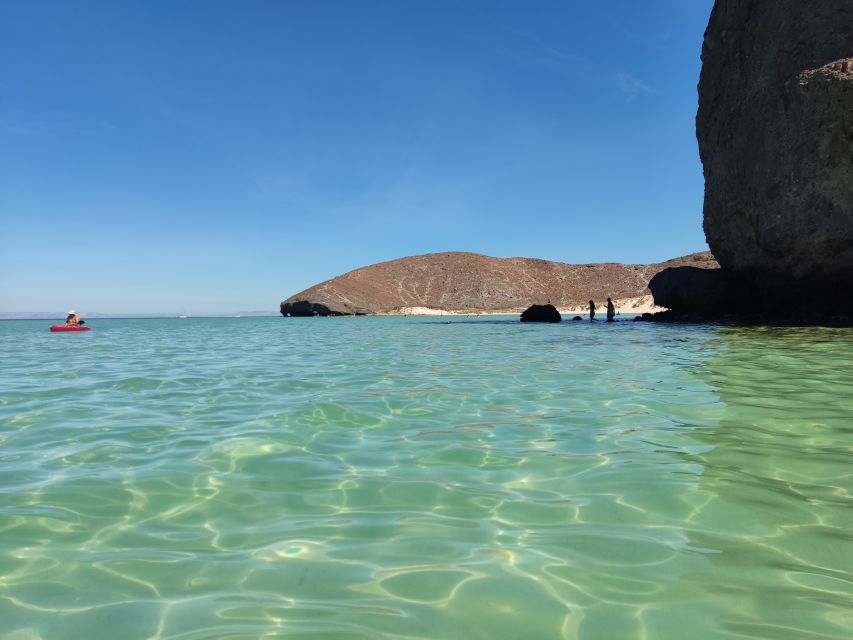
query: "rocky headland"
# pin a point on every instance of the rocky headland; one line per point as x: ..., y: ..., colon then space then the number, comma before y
x: 775, y: 132
x: 474, y: 283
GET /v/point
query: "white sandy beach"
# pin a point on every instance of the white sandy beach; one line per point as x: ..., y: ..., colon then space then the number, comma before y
x: 638, y: 305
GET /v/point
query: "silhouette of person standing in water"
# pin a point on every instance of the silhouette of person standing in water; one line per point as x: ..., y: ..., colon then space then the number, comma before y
x: 591, y: 311
x: 611, y: 311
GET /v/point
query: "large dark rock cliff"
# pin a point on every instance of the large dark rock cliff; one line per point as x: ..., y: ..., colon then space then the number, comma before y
x: 775, y: 131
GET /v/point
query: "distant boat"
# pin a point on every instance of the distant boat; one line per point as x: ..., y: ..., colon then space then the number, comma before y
x: 183, y: 316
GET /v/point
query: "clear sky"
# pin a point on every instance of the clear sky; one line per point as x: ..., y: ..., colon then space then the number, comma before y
x: 201, y: 155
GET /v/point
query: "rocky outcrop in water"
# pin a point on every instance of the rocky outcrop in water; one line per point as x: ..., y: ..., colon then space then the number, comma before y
x: 305, y: 308
x: 775, y: 131
x: 473, y: 282
x: 541, y: 313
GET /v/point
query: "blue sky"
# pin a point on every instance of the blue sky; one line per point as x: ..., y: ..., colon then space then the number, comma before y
x: 205, y: 156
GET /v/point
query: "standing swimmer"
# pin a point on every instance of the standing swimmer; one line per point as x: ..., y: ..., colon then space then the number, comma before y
x: 591, y: 311
x: 611, y: 311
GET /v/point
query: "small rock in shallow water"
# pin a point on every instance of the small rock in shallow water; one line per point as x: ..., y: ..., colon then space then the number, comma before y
x: 541, y: 313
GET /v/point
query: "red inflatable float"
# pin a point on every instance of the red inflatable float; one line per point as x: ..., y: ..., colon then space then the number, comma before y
x: 68, y: 327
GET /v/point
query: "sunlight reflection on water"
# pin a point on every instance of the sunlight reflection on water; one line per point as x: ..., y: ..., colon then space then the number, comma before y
x: 405, y: 478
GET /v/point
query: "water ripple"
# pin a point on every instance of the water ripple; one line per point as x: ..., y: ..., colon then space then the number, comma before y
x: 402, y: 478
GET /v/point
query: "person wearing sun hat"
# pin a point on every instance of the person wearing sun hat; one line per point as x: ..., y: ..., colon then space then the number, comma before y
x: 73, y: 319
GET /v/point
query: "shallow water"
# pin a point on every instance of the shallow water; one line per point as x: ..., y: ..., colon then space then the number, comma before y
x: 406, y: 478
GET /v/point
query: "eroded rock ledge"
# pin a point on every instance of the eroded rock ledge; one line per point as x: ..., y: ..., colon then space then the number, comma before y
x: 701, y: 295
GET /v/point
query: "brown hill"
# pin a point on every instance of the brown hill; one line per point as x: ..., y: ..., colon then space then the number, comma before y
x: 473, y: 282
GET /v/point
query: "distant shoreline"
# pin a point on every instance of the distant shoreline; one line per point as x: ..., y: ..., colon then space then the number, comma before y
x: 637, y: 305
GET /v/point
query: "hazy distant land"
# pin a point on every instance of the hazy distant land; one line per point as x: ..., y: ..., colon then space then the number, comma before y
x: 60, y: 315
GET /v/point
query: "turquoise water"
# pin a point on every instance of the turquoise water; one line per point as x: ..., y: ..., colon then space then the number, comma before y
x: 405, y: 478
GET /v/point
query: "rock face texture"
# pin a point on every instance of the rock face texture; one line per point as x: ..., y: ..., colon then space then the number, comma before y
x: 541, y: 313
x: 474, y: 282
x: 775, y: 131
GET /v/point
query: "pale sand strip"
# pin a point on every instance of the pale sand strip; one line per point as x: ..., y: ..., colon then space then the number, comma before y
x: 428, y: 311
x: 641, y: 304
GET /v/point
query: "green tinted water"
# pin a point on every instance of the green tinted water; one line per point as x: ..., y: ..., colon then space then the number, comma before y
x: 405, y: 478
